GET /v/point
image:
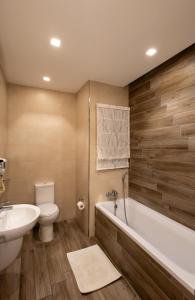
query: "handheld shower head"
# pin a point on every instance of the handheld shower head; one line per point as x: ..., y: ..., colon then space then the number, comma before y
x: 123, y: 185
x: 124, y: 176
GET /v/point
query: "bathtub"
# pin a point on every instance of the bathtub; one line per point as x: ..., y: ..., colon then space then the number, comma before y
x: 169, y: 243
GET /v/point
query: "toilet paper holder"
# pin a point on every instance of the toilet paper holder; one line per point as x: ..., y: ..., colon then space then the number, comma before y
x: 81, y: 203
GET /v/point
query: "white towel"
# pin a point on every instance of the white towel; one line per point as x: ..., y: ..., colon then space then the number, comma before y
x: 113, y: 137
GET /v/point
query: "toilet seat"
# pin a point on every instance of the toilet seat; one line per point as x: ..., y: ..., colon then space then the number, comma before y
x: 48, y: 209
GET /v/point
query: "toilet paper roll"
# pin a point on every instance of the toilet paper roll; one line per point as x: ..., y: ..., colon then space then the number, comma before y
x: 80, y: 205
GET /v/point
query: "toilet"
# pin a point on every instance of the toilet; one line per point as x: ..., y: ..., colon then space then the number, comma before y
x: 49, y: 211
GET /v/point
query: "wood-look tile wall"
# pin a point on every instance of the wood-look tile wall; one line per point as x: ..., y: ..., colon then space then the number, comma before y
x: 162, y: 173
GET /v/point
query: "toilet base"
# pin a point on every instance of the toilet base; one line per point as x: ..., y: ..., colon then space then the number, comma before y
x: 46, y: 233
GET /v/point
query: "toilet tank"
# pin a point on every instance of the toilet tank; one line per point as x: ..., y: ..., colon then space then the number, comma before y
x: 44, y: 192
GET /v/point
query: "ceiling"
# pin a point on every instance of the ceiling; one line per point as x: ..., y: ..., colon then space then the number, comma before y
x: 102, y: 40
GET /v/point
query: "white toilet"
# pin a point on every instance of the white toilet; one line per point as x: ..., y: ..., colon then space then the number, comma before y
x: 44, y: 195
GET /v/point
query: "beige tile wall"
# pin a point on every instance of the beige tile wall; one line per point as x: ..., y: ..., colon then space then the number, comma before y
x: 103, y: 181
x: 82, y: 154
x: 41, y: 145
x: 3, y: 115
x: 48, y: 139
x: 3, y: 121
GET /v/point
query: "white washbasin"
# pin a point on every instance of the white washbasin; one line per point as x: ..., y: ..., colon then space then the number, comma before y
x: 14, y: 223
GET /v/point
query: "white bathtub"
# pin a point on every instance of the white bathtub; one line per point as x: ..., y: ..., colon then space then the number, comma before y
x: 171, y: 244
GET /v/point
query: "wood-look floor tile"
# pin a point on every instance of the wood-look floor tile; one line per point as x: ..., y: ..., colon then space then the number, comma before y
x: 42, y: 280
x: 28, y: 242
x: 65, y: 236
x: 68, y: 289
x: 27, y: 290
x: 46, y: 273
x: 10, y: 281
x: 78, y: 239
x: 115, y: 290
x: 62, y: 291
x: 48, y: 298
x: 57, y: 262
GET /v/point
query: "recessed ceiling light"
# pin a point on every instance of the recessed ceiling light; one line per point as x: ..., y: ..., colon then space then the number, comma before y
x: 55, y: 42
x: 151, y: 51
x: 46, y: 78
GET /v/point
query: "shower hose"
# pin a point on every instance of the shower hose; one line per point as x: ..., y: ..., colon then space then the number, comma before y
x: 124, y: 201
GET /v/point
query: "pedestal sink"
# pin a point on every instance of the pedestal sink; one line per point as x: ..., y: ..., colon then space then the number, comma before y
x: 14, y: 224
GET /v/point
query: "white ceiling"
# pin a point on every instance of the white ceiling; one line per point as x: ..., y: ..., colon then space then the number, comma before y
x: 103, y: 40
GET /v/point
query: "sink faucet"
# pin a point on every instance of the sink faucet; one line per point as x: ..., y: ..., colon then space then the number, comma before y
x: 5, y: 206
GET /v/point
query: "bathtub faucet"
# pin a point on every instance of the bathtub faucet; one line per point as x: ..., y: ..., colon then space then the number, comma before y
x: 113, y: 196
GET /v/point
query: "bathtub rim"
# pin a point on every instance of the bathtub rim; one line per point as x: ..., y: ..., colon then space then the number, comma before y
x: 162, y: 260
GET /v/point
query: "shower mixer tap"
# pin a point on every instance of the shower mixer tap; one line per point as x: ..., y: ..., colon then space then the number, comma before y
x: 113, y: 196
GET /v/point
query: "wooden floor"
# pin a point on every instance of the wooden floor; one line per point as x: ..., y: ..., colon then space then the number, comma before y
x: 46, y: 274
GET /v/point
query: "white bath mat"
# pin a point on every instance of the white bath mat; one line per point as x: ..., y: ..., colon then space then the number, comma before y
x: 92, y: 269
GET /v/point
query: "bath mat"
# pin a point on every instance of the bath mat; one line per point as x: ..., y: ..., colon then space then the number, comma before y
x: 92, y: 269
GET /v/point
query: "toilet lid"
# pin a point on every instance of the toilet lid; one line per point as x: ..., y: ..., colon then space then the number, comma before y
x: 47, y: 209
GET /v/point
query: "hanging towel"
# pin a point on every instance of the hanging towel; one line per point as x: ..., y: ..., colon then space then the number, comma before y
x: 113, y: 137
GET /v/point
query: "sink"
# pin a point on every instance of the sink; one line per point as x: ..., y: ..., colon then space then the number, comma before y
x: 14, y: 223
